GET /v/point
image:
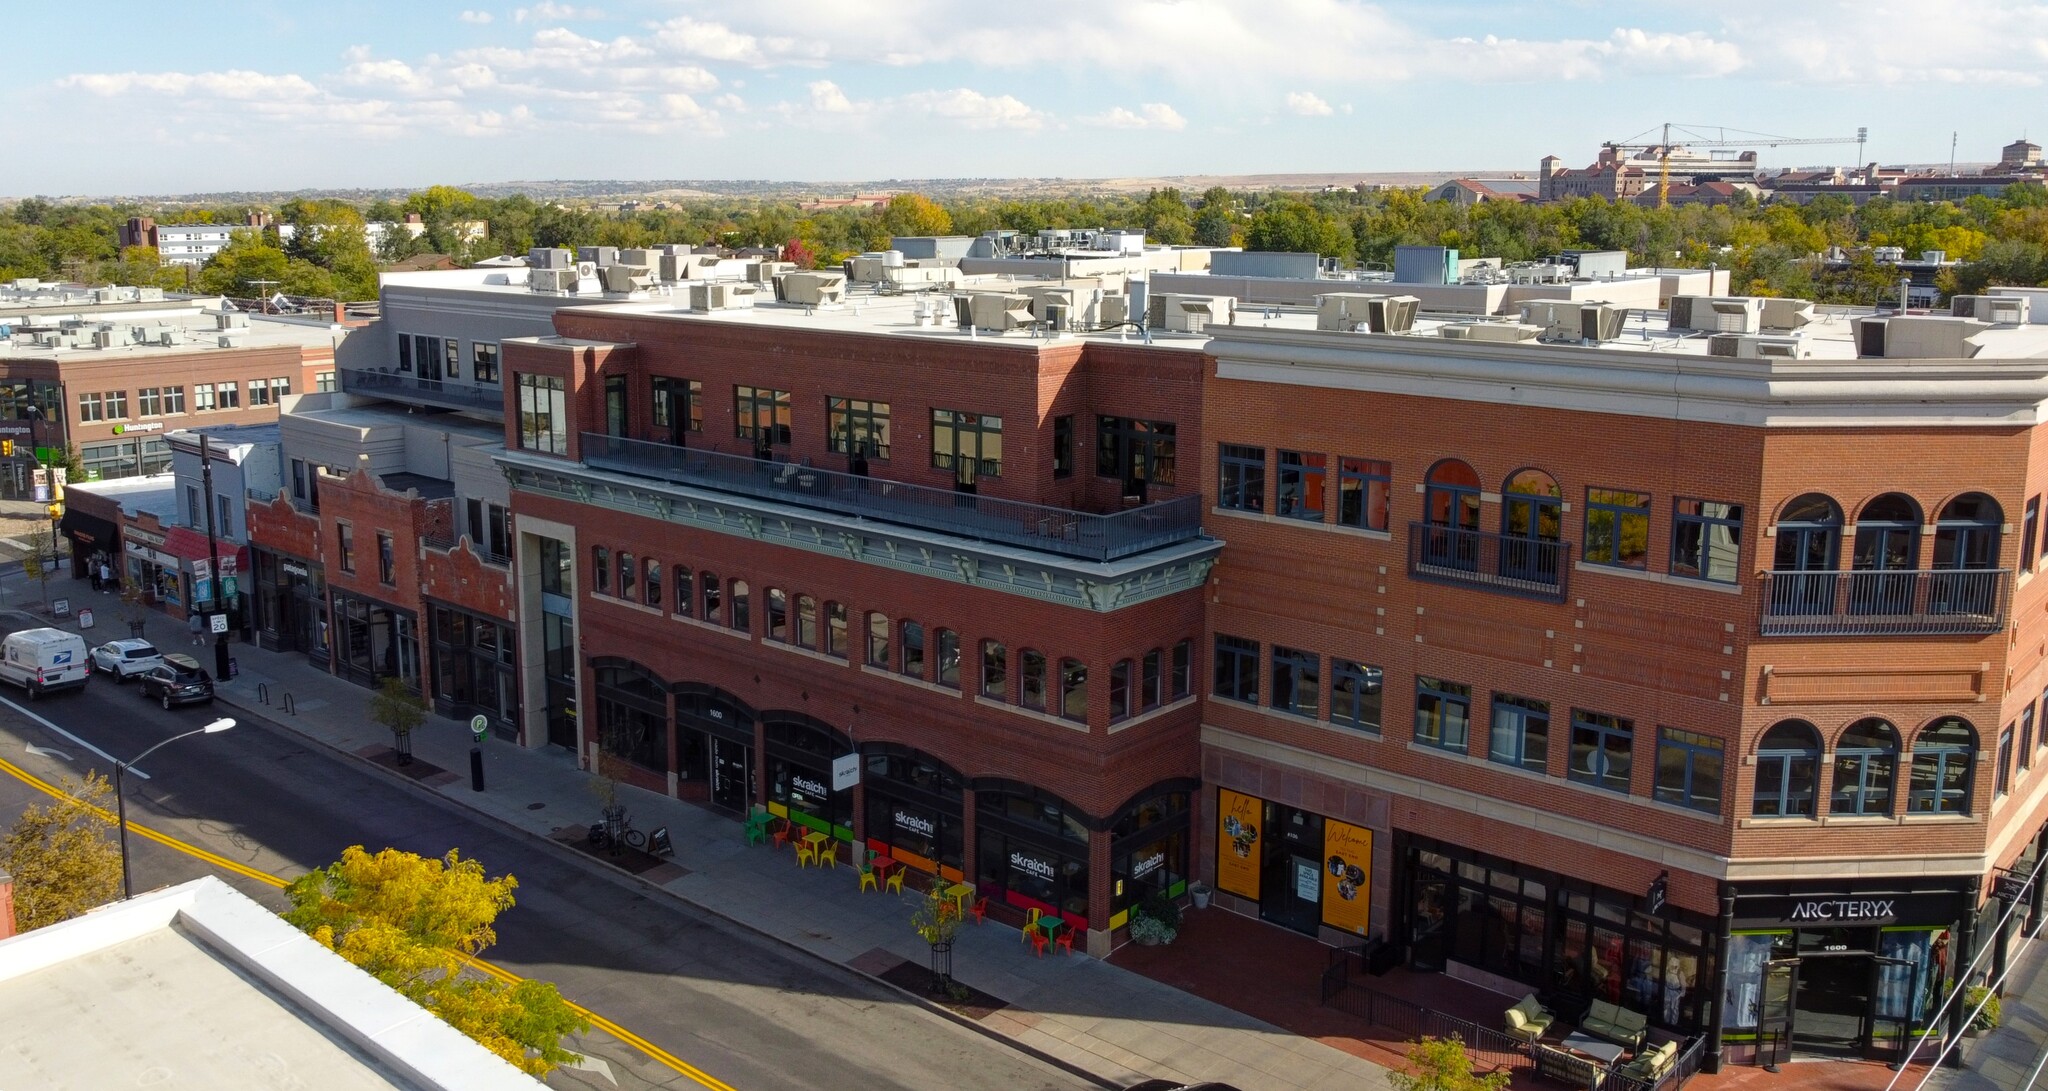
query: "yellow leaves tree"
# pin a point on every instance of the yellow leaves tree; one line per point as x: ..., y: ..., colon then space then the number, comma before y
x: 415, y: 923
x: 63, y: 855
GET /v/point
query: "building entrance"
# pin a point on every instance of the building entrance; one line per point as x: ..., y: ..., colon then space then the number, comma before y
x: 1831, y: 1006
x: 1293, y: 878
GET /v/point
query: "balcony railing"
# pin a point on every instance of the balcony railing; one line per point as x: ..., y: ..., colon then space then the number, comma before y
x: 1940, y: 602
x: 1008, y: 522
x: 398, y: 385
x: 1531, y: 567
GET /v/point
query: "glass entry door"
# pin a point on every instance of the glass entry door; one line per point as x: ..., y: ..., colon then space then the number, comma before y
x: 1292, y: 884
x: 1774, y: 1013
x: 732, y: 774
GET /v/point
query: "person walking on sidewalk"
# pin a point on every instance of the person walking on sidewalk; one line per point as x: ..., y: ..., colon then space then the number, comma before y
x: 196, y: 625
x: 92, y: 568
x: 107, y: 575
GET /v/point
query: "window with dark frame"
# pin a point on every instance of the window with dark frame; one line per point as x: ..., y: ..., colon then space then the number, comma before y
x: 711, y: 597
x: 879, y: 633
x: 2030, y: 524
x: 807, y: 622
x: 1300, y: 492
x: 946, y: 657
x: 778, y: 616
x: 651, y: 585
x: 995, y: 671
x: 1602, y: 750
x: 1942, y: 768
x: 345, y: 542
x: 1362, y: 487
x: 1132, y: 450
x: 2026, y: 752
x: 1237, y: 669
x: 1706, y: 540
x: 1297, y: 682
x: 1073, y: 690
x: 1120, y: 691
x: 1355, y: 697
x: 1617, y: 528
x: 1519, y: 733
x: 1866, y: 769
x: 761, y: 415
x: 1150, y: 694
x: 453, y: 355
x: 629, y: 575
x: 1183, y: 668
x: 737, y: 607
x: 483, y: 358
x: 857, y: 426
x: 1689, y: 768
x: 543, y: 413
x: 969, y: 443
x: 1443, y: 714
x: 1063, y: 446
x: 837, y: 640
x: 2001, y: 782
x: 1241, y: 477
x: 405, y: 352
x: 387, y: 559
x: 684, y: 594
x: 1031, y: 680
x: 913, y: 650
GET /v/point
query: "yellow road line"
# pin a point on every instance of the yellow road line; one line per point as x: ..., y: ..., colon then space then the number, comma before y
x: 658, y: 1054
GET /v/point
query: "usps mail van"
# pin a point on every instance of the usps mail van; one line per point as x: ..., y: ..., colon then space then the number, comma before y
x: 42, y: 660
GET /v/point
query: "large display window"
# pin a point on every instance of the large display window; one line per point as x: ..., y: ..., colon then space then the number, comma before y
x: 799, y: 760
x: 1032, y: 850
x: 632, y: 715
x: 1148, y: 852
x: 912, y: 807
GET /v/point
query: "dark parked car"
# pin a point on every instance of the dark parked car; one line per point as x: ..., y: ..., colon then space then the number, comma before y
x: 180, y: 681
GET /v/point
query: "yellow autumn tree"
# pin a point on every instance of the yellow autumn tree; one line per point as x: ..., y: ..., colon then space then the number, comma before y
x: 63, y: 856
x: 415, y: 923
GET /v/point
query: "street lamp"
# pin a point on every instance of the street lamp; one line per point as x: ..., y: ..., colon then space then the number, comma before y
x: 121, y: 798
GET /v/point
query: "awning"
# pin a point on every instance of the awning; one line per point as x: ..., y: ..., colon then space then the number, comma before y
x: 88, y: 530
x: 189, y: 545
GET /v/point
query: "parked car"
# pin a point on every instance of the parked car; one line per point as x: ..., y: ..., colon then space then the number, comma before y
x: 125, y: 659
x: 42, y: 660
x: 178, y: 680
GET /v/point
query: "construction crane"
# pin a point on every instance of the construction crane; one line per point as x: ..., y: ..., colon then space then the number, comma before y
x: 1694, y: 139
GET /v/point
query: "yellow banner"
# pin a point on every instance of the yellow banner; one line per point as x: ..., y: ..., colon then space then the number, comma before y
x: 1347, y: 876
x: 1238, y: 833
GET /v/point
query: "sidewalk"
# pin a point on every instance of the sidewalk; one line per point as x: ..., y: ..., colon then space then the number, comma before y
x: 2005, y: 1058
x: 1117, y: 1026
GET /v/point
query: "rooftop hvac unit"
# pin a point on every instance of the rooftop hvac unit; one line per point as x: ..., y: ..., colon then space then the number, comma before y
x: 552, y: 280
x: 705, y: 296
x: 586, y: 270
x: 764, y: 272
x: 1188, y: 313
x: 599, y: 256
x: 1787, y: 314
x: 149, y: 295
x: 544, y: 257
x: 814, y: 288
x: 103, y: 338
x: 1600, y: 321
x: 1920, y: 337
x: 1999, y: 310
x: 231, y: 320
x: 626, y: 279
x: 640, y: 256
x: 1498, y: 332
x: 1344, y: 311
x: 1716, y: 314
x: 1000, y: 311
x: 166, y: 338
x: 963, y: 311
x: 1737, y: 346
x: 1115, y: 310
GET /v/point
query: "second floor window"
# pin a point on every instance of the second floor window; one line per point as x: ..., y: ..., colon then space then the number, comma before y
x: 761, y: 415
x: 1362, y: 493
x: 387, y: 559
x: 857, y: 427
x: 543, y: 414
x: 1134, y: 451
x: 1706, y: 540
x: 1241, y: 477
x: 484, y: 362
x: 1617, y: 528
x: 968, y: 444
x: 345, y: 547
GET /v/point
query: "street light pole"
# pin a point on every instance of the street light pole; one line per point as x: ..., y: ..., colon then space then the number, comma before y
x: 220, y: 639
x: 121, y: 797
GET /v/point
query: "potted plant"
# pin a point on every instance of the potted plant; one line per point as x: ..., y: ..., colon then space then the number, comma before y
x: 1200, y: 892
x: 1155, y: 921
x: 1987, y: 1017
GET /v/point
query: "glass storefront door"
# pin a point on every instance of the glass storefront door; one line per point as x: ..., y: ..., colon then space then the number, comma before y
x: 1292, y: 886
x: 732, y: 774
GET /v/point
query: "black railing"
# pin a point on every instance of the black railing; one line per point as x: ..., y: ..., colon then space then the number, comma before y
x: 1938, y: 602
x: 1533, y: 567
x: 1009, y: 522
x: 398, y: 385
x: 1489, y: 1049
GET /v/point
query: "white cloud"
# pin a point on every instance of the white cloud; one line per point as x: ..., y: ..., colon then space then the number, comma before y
x: 975, y: 110
x: 1307, y: 104
x: 389, y: 75
x: 1149, y: 115
x: 827, y: 98
x: 237, y: 85
x: 719, y: 42
x: 547, y: 11
x: 732, y: 103
x: 477, y: 17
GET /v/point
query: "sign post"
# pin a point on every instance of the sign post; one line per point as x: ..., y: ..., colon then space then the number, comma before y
x: 479, y: 726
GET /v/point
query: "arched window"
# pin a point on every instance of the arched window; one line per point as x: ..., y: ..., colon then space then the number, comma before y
x: 778, y: 615
x: 1120, y: 690
x: 878, y: 640
x: 948, y: 643
x: 913, y: 649
x: 1866, y: 764
x: 1787, y: 770
x: 653, y: 583
x: 632, y: 715
x: 1450, y: 505
x: 1031, y: 685
x: 685, y: 592
x: 807, y: 622
x: 628, y: 576
x: 1966, y: 552
x: 1942, y: 760
x: 1531, y: 521
x: 707, y: 582
x: 736, y: 606
x: 1809, y: 537
x: 1073, y: 689
x: 600, y: 570
x: 836, y: 639
x: 1886, y: 553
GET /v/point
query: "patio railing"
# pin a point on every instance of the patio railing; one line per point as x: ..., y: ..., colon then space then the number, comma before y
x: 412, y: 388
x: 1491, y: 1050
x: 1512, y: 564
x: 1937, y: 602
x: 985, y: 518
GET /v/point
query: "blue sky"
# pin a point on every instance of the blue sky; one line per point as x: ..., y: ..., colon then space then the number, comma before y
x: 129, y: 97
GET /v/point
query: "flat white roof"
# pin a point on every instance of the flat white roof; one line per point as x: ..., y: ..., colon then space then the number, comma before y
x: 191, y: 331
x: 198, y: 986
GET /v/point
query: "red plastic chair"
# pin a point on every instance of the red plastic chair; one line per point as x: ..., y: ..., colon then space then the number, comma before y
x: 1038, y: 943
x: 782, y: 835
x: 1066, y: 940
x: 981, y: 911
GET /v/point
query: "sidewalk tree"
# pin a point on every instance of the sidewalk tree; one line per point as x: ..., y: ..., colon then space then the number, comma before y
x: 1441, y: 1064
x: 415, y: 923
x: 32, y: 564
x: 936, y: 920
x: 63, y: 855
x: 401, y: 711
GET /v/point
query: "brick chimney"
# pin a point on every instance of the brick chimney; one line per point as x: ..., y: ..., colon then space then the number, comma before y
x: 6, y: 904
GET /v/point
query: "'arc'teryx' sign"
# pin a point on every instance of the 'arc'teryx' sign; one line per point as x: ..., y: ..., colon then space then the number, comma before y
x: 1861, y: 910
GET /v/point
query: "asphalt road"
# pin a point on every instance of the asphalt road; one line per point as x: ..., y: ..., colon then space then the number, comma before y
x: 750, y: 1013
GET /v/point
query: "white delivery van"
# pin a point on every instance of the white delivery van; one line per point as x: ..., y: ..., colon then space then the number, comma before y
x: 41, y: 660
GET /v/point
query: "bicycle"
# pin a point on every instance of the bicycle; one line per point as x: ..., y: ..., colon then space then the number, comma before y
x: 615, y: 828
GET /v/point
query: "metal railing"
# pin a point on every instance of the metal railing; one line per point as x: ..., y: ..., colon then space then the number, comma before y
x: 1489, y: 1049
x: 1009, y: 522
x: 1531, y: 567
x: 1937, y: 602
x: 398, y: 385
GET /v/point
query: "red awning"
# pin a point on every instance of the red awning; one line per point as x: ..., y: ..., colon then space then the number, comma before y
x: 190, y: 545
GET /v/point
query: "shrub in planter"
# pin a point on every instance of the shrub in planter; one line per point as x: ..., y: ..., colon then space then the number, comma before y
x: 1151, y: 931
x: 1987, y: 1019
x: 1161, y: 908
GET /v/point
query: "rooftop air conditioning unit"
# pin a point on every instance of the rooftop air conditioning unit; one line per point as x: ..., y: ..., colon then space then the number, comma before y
x: 599, y: 256
x: 1787, y: 314
x: 1725, y: 344
x: 551, y: 280
x: 1189, y: 313
x: 1392, y: 314
x: 640, y: 256
x: 104, y: 338
x: 1999, y: 310
x: 1716, y: 314
x: 1601, y: 322
x: 1497, y: 332
x: 721, y: 297
x: 1115, y: 310
x: 814, y: 288
x: 586, y: 270
x: 1000, y: 311
x: 626, y: 279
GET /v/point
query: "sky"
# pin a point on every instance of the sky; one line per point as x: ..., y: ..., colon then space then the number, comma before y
x: 133, y: 97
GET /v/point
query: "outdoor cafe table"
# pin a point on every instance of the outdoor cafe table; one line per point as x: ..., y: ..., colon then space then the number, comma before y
x: 1051, y: 927
x: 960, y: 892
x: 817, y: 842
x: 1605, y: 1052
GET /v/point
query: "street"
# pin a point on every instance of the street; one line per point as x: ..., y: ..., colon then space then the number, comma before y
x: 745, y: 1011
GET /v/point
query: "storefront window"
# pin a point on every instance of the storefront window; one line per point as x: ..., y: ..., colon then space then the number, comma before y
x: 1148, y: 852
x: 913, y: 810
x: 800, y: 753
x: 474, y: 670
x: 632, y: 716
x: 1033, y: 851
x: 375, y: 641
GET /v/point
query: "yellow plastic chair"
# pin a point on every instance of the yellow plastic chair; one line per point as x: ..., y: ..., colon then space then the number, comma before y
x: 828, y: 853
x: 867, y: 880
x: 806, y: 855
x: 895, y: 883
x: 1031, y: 925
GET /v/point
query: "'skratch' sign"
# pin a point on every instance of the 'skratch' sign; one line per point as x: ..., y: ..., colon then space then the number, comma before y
x: 1031, y: 865
x: 808, y: 786
x: 915, y: 823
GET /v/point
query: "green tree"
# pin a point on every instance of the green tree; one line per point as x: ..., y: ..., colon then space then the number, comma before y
x: 399, y: 710
x: 1295, y: 226
x: 912, y: 214
x: 1441, y: 1064
x: 237, y: 268
x: 63, y: 855
x: 415, y: 924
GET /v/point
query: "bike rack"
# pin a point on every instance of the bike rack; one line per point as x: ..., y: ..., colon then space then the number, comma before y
x: 289, y: 706
x: 263, y: 692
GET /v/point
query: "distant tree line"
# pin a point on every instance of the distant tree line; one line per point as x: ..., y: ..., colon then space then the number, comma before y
x: 1767, y: 248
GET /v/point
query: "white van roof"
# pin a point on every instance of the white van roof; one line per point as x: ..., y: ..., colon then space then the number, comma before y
x: 43, y: 636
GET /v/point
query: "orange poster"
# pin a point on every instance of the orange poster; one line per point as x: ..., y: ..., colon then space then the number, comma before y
x: 1347, y: 876
x: 1239, y: 817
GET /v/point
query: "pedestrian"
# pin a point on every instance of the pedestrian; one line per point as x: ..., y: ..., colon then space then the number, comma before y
x: 107, y: 574
x: 196, y: 625
x: 92, y: 568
